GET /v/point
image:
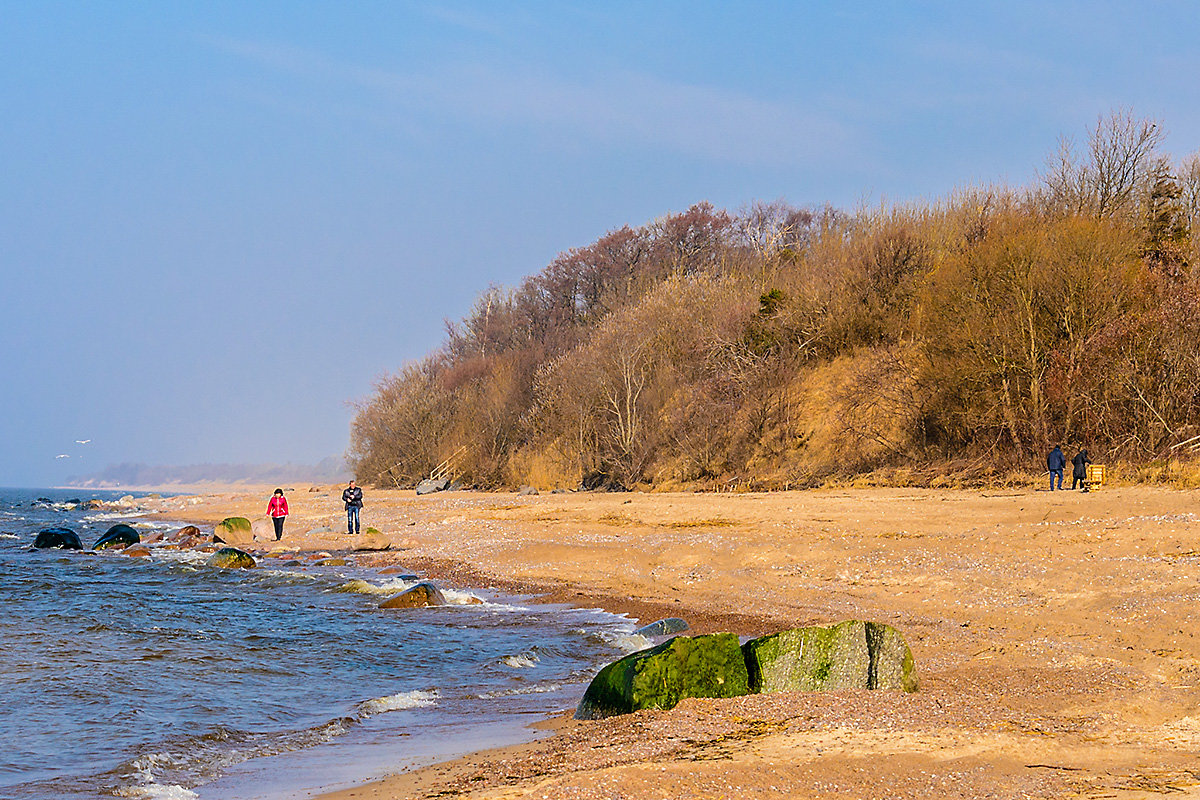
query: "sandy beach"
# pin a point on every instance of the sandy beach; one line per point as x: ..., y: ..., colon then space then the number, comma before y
x: 1054, y: 634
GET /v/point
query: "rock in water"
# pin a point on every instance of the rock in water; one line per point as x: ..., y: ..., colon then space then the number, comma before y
x: 60, y: 538
x: 850, y: 655
x: 233, y: 530
x: 119, y: 535
x: 231, y: 558
x: 186, y: 532
x: 419, y: 596
x: 136, y: 550
x: 429, y: 486
x: 664, y: 627
x: 700, y: 666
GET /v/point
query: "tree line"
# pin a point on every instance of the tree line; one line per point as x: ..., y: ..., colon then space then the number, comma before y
x: 780, y: 346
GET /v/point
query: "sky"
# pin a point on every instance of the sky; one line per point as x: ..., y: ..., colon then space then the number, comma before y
x: 222, y: 223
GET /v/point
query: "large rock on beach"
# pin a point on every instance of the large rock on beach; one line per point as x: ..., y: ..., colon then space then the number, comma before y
x: 262, y: 529
x: 419, y: 596
x: 702, y: 666
x: 850, y: 655
x: 663, y: 627
x: 57, y: 538
x: 234, y: 531
x: 371, y: 540
x: 118, y: 536
x: 231, y: 558
x: 429, y: 485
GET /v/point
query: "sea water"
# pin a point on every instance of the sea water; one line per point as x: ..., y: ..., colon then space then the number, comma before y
x: 162, y: 677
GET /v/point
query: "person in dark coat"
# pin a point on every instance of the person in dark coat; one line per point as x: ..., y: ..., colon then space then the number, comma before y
x: 1055, y: 463
x: 353, y: 498
x: 1079, y: 466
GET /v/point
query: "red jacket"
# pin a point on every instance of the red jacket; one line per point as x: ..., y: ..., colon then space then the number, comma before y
x: 278, y: 506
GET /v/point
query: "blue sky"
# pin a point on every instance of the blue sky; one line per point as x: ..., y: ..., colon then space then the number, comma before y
x: 220, y: 223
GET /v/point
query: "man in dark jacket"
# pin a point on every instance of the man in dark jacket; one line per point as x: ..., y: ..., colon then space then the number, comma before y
x: 1079, y: 466
x: 352, y: 497
x: 1054, y: 462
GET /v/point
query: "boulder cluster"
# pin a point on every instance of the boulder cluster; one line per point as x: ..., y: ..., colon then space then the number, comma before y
x: 849, y: 655
x: 126, y: 539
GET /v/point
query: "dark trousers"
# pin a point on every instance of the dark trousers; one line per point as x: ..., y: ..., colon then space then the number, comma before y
x: 352, y: 519
x: 1078, y: 481
x: 1055, y: 473
x: 278, y: 527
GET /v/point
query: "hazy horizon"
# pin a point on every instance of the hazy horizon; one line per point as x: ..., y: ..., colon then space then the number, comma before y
x: 221, y: 223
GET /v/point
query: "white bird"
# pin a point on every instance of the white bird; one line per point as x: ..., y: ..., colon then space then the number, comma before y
x: 82, y: 441
x: 62, y: 455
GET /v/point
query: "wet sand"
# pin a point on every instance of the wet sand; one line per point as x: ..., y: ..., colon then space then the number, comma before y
x: 1055, y: 634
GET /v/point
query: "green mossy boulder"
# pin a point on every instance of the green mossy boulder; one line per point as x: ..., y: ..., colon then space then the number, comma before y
x: 849, y: 655
x: 119, y: 535
x: 231, y: 558
x: 892, y: 664
x: 233, y: 530
x: 699, y: 666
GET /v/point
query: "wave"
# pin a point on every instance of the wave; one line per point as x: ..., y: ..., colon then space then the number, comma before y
x: 157, y: 791
x: 203, y: 757
x: 397, y: 702
x: 539, y: 688
x: 521, y: 660
x: 454, y: 597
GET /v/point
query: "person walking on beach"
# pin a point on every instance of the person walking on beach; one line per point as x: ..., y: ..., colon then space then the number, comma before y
x: 277, y: 509
x: 1079, y: 466
x: 352, y: 497
x: 1055, y: 463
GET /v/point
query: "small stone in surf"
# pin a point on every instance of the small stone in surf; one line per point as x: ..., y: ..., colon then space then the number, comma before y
x: 420, y: 596
x: 664, y: 627
x: 231, y: 558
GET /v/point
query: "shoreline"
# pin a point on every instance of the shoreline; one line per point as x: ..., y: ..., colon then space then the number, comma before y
x: 1053, y: 633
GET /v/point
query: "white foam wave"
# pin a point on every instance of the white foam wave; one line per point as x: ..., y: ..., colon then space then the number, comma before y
x: 540, y: 688
x: 398, y: 702
x: 456, y: 597
x: 521, y: 660
x: 359, y: 586
x: 9, y: 536
x: 157, y: 791
x: 627, y: 642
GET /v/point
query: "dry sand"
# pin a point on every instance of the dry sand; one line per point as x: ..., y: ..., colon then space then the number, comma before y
x: 1055, y: 635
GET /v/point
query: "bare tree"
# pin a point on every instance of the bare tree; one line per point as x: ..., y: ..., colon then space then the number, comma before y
x: 1121, y: 159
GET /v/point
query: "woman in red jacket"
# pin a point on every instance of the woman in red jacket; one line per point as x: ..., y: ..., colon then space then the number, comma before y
x: 278, y: 509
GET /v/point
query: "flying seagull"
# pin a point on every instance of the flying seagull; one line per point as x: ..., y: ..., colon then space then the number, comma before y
x: 62, y: 455
x: 82, y: 441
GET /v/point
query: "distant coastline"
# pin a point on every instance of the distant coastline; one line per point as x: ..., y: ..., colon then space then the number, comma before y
x: 207, y: 477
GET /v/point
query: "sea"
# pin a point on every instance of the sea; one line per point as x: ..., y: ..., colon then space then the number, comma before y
x: 161, y: 677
